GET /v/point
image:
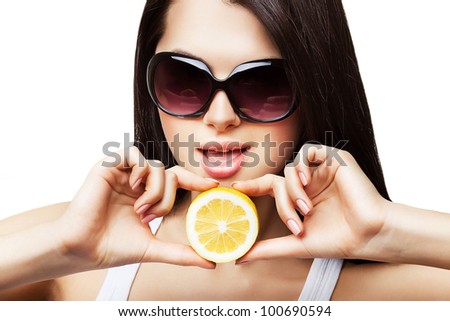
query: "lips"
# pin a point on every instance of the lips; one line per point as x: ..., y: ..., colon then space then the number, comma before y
x: 222, y: 160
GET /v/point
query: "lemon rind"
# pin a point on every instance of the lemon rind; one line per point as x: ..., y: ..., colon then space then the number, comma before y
x: 239, y: 199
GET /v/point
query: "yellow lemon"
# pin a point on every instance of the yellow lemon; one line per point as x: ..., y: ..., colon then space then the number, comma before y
x: 222, y: 224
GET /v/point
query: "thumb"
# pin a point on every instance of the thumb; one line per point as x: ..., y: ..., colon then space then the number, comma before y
x: 174, y: 253
x: 290, y: 246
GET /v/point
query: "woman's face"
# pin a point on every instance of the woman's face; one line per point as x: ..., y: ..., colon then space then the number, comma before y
x: 219, y: 144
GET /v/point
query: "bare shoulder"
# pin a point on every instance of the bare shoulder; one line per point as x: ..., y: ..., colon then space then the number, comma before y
x: 384, y: 281
x: 31, y: 218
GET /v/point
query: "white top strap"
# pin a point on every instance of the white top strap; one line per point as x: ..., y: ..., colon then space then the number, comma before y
x: 321, y: 280
x: 117, y: 283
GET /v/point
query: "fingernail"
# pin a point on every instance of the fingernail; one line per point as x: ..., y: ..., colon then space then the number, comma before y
x: 155, y: 163
x: 212, y: 180
x: 148, y: 218
x: 302, y: 206
x: 135, y: 185
x: 293, y: 227
x: 234, y: 183
x: 143, y: 209
x: 303, y: 179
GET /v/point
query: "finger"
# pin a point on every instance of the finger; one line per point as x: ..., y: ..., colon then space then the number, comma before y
x: 319, y: 164
x: 129, y: 159
x: 275, y: 186
x: 308, y: 158
x: 138, y: 164
x: 165, y: 204
x: 255, y: 187
x: 295, y: 190
x: 285, y: 206
x: 175, y: 178
x: 178, y: 254
x: 139, y: 177
x: 191, y: 181
x: 283, y: 247
x: 153, y: 190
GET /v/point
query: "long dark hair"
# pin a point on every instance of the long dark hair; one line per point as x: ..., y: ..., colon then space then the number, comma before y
x: 314, y: 39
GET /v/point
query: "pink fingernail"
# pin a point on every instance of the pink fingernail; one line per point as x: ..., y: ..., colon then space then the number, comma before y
x: 143, y: 209
x: 303, y: 179
x: 293, y: 227
x: 234, y: 183
x: 149, y: 218
x: 302, y: 206
x: 138, y: 182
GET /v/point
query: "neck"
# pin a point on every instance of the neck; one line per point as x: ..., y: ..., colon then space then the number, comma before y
x: 270, y: 222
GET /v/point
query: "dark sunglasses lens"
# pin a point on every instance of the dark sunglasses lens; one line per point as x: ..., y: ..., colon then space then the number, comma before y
x: 180, y: 88
x: 262, y: 93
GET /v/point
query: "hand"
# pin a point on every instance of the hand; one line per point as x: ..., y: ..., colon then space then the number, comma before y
x: 106, y: 224
x: 342, y: 209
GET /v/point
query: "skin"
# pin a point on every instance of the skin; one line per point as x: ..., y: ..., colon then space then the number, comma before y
x: 344, y: 215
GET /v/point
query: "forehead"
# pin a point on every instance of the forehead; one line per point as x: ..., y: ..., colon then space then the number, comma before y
x: 216, y: 31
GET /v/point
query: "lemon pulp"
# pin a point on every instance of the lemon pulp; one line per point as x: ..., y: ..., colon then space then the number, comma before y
x: 222, y: 224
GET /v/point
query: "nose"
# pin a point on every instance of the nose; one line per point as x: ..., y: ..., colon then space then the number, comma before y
x: 220, y: 113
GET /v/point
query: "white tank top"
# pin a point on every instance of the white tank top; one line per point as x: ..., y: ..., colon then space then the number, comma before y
x: 319, y: 284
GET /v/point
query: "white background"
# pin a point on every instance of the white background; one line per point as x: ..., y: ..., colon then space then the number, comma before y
x: 66, y: 73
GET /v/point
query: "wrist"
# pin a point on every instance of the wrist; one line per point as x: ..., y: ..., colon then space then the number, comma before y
x: 378, y: 245
x: 411, y: 236
x: 396, y: 237
x: 75, y: 253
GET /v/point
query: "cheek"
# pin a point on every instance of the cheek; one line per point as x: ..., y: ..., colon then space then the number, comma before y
x: 291, y: 133
x: 168, y: 124
x: 179, y: 135
x: 286, y: 135
x: 282, y: 152
x: 273, y: 151
x: 175, y: 129
x: 285, y: 140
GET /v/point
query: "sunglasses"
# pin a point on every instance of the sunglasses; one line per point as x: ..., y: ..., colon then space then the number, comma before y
x: 182, y: 86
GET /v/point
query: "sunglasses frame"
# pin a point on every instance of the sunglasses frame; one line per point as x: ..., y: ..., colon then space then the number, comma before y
x: 217, y: 84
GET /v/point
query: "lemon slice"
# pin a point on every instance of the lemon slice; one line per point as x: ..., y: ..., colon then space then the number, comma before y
x: 222, y: 224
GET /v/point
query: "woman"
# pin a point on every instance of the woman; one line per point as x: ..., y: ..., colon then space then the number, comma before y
x: 340, y: 194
